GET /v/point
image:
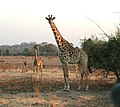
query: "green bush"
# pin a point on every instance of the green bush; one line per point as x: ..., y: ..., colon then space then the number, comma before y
x: 104, y: 54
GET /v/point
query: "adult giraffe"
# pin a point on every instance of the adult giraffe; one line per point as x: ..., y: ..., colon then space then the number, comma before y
x: 69, y: 55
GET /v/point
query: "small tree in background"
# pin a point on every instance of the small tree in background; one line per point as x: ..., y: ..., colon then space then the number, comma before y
x: 1, y: 52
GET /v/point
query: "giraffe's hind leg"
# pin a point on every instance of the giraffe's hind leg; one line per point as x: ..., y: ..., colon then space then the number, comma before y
x: 40, y: 74
x: 86, y: 73
x: 86, y: 78
x: 83, y: 72
x: 35, y: 75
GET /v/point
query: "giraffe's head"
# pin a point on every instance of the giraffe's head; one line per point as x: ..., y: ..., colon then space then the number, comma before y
x: 50, y: 18
x: 36, y: 47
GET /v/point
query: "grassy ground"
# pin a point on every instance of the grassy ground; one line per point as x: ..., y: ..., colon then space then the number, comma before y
x: 17, y: 89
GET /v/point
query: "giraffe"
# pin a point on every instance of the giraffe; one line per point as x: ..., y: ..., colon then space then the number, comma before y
x: 37, y: 65
x: 24, y: 65
x: 70, y: 55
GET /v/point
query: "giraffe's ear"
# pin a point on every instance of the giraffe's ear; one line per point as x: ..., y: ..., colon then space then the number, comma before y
x: 46, y: 18
x: 53, y: 18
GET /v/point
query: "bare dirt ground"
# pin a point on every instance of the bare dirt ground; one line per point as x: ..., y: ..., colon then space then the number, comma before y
x: 17, y: 86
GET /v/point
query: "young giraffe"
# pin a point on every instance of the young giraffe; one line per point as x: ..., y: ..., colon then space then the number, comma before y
x: 69, y: 55
x: 37, y: 65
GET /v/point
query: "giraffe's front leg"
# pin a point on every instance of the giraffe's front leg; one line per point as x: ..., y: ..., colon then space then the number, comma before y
x: 40, y: 74
x: 66, y: 77
x: 68, y: 86
x: 37, y: 73
x: 34, y: 71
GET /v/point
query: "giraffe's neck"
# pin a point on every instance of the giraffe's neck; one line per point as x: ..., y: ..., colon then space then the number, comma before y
x: 58, y: 36
x: 36, y: 54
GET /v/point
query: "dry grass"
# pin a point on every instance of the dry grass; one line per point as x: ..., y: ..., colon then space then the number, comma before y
x: 17, y: 86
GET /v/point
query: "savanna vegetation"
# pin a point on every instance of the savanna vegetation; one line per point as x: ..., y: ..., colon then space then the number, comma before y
x: 104, y: 54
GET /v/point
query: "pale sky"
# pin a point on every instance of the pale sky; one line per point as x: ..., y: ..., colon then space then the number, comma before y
x: 24, y: 20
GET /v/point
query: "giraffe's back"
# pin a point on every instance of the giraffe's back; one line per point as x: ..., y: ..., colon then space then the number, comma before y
x: 73, y: 55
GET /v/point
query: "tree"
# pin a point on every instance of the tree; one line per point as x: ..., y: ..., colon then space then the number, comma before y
x: 104, y: 54
x: 1, y: 52
x: 49, y: 49
x: 26, y: 51
x: 7, y: 52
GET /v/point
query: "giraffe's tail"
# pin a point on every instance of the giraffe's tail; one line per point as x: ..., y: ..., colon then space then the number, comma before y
x: 89, y: 68
x: 43, y: 66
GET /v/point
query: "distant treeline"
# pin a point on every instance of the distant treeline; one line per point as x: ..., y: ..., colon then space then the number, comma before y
x: 27, y: 49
